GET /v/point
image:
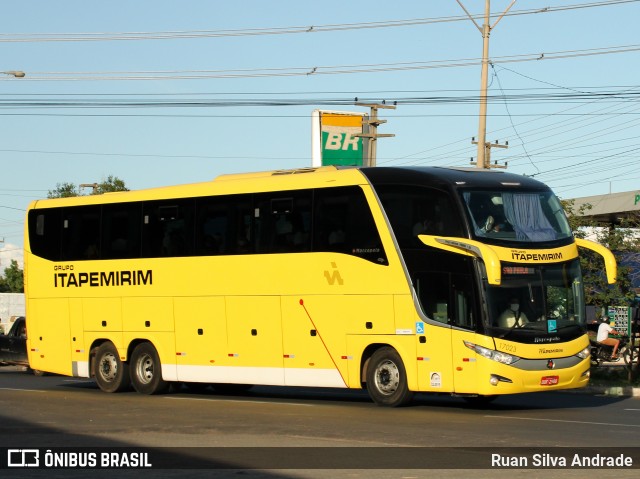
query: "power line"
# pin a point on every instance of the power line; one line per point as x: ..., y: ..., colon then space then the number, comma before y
x: 350, y: 93
x: 252, y: 32
x: 114, y: 102
x: 314, y: 70
x: 506, y: 106
x: 12, y: 208
x: 561, y: 168
x: 447, y: 155
x: 138, y: 155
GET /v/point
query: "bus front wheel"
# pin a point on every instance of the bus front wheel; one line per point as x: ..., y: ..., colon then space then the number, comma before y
x: 146, y: 372
x: 387, y: 378
x: 111, y: 373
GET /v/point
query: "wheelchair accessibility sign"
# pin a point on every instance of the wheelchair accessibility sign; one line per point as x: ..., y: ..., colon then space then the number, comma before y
x: 419, y: 327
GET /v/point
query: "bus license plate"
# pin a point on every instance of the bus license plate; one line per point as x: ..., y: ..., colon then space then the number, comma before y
x: 549, y: 380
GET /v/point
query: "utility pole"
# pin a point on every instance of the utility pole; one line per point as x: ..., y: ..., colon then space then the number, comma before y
x: 374, y: 122
x: 485, y: 30
x: 487, y: 153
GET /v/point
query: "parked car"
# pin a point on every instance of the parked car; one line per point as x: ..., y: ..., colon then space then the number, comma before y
x: 13, y: 345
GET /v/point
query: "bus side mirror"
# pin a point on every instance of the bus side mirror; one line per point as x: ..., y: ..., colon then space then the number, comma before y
x: 610, y: 264
x: 469, y: 248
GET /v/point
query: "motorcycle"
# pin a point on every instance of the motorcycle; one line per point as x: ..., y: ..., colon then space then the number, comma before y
x: 601, y: 353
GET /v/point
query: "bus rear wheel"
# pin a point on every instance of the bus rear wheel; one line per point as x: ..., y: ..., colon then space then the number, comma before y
x: 387, y: 379
x: 146, y: 372
x: 111, y: 373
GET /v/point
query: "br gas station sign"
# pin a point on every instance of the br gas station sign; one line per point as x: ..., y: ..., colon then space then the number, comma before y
x: 334, y: 139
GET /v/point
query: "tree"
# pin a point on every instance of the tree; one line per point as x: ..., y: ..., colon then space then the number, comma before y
x: 111, y: 184
x: 66, y: 190
x: 622, y: 240
x: 13, y: 280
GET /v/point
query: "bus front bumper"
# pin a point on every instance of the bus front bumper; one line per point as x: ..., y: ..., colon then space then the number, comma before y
x: 504, y: 379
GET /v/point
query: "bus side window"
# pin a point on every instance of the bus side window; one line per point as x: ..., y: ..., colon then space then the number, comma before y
x: 462, y: 288
x: 45, y: 230
x: 283, y: 222
x: 418, y: 210
x: 81, y: 233
x: 121, y: 230
x: 433, y: 294
x: 242, y: 229
x: 167, y: 228
x: 446, y: 298
x: 343, y: 223
x: 224, y: 225
x: 212, y: 225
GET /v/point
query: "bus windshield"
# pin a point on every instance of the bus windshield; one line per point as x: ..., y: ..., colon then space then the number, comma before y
x: 543, y: 299
x: 516, y: 216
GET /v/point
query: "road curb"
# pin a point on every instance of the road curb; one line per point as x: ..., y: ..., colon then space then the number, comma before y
x: 618, y: 391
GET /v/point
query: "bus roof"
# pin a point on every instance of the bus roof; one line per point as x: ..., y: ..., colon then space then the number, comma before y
x: 310, y: 178
x: 450, y: 177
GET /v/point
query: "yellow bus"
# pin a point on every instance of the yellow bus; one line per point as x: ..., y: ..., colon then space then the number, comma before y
x: 398, y: 280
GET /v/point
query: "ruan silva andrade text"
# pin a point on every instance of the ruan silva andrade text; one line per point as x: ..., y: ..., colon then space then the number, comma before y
x: 549, y: 460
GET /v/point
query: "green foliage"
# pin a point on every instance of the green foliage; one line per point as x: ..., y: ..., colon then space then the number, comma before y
x: 622, y: 239
x: 111, y: 184
x: 63, y: 190
x: 13, y: 280
x: 66, y: 190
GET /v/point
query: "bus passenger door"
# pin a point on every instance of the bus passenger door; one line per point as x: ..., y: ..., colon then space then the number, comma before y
x: 444, y: 362
x: 434, y: 338
x: 464, y: 314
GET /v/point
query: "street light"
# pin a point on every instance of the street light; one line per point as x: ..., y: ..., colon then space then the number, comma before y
x: 15, y: 73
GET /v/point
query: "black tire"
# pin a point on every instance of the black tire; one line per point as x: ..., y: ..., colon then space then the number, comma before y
x: 146, y: 371
x: 387, y: 379
x: 111, y: 373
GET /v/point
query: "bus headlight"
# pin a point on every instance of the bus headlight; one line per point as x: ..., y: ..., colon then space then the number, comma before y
x: 492, y: 354
x: 585, y: 353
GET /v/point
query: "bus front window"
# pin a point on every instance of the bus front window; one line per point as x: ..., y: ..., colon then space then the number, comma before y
x: 541, y: 299
x: 516, y: 216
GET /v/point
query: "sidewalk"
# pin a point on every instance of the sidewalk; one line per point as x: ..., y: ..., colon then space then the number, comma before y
x: 623, y: 390
x: 620, y: 391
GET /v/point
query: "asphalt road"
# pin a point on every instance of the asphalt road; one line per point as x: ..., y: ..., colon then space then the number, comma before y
x: 54, y: 412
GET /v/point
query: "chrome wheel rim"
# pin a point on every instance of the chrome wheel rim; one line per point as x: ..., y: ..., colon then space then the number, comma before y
x: 144, y: 369
x: 108, y: 367
x: 387, y: 377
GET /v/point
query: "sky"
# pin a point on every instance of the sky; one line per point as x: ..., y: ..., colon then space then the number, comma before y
x: 166, y: 92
